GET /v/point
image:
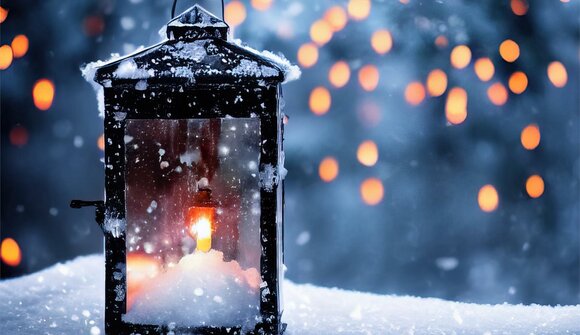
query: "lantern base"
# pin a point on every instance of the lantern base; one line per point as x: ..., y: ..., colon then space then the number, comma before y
x: 130, y: 328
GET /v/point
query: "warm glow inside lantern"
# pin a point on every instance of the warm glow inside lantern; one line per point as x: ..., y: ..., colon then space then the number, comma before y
x: 193, y: 216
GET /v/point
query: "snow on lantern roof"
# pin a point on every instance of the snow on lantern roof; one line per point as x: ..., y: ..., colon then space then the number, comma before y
x: 196, y: 52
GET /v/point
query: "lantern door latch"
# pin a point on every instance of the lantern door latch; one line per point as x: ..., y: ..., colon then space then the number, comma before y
x: 99, y: 209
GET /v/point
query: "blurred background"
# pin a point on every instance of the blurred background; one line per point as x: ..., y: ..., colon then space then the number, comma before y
x: 433, y: 146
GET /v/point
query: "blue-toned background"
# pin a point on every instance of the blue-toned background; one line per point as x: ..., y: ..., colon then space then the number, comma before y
x: 428, y: 234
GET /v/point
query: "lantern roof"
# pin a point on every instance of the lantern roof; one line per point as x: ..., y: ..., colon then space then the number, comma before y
x: 197, y: 51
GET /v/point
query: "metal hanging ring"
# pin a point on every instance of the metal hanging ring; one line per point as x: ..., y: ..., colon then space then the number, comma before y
x: 175, y: 4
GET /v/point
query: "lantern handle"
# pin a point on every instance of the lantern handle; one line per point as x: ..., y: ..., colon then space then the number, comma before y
x: 99, y: 209
x: 175, y: 4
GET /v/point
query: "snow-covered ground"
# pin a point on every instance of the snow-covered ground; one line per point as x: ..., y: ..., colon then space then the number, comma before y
x: 69, y: 299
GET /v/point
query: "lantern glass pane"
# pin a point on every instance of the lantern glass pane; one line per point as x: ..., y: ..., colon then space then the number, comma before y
x: 193, y: 222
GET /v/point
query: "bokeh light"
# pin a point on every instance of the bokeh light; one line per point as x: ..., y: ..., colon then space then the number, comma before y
x: 519, y: 7
x: 382, y: 41
x: 339, y: 74
x: 43, y: 94
x: 535, y: 186
x: 518, y: 82
x: 359, y: 9
x: 460, y: 56
x: 5, y: 57
x: 441, y: 41
x: 320, y: 32
x: 509, y: 51
x: 93, y: 25
x: 307, y: 54
x: 530, y: 137
x: 456, y: 105
x: 262, y: 5
x: 557, y: 74
x: 372, y: 191
x: 436, y: 83
x: 101, y: 142
x: 367, y: 153
x: 328, y: 169
x: 484, y: 69
x: 336, y: 18
x: 368, y: 77
x: 415, y: 93
x: 18, y: 136
x: 10, y: 252
x: 235, y: 13
x: 320, y: 100
x: 487, y: 198
x: 497, y: 94
x: 19, y: 46
x: 3, y: 14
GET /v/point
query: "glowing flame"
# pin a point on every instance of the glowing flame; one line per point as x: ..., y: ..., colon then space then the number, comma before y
x: 460, y: 56
x: 368, y: 77
x: 6, y: 57
x: 328, y: 169
x: 367, y: 153
x: 497, y: 94
x: 484, y: 69
x: 203, y: 228
x: 307, y: 54
x: 321, y: 32
x: 19, y: 46
x: 372, y: 191
x: 320, y: 100
x: 415, y: 93
x: 359, y: 9
x: 43, y: 94
x: 10, y: 252
x: 200, y: 221
x: 509, y: 51
x: 456, y: 105
x: 519, y: 7
x: 530, y: 137
x: 262, y: 5
x: 518, y: 82
x: 339, y: 74
x: 535, y: 186
x: 436, y: 83
x: 557, y: 74
x: 488, y: 198
x: 235, y: 13
x: 382, y: 41
x: 336, y: 18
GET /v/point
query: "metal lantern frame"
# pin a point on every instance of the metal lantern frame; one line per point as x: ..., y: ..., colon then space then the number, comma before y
x: 214, y: 91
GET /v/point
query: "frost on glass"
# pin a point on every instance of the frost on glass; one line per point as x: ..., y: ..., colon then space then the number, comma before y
x: 193, y: 222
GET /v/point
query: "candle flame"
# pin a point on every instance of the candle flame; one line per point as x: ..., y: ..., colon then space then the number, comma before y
x: 203, y: 228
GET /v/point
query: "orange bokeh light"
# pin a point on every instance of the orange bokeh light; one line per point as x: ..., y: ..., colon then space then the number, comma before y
x: 382, y: 41
x: 308, y: 54
x: 535, y: 186
x: 509, y: 51
x: 3, y: 14
x: 484, y: 69
x: 460, y: 56
x: 436, y: 83
x: 518, y: 82
x: 262, y: 5
x: 519, y: 7
x: 339, y: 74
x: 235, y: 13
x: 328, y: 169
x: 336, y: 18
x: 372, y: 191
x: 101, y: 142
x: 6, y: 57
x: 441, y: 41
x: 10, y: 252
x: 321, y: 32
x: 557, y: 74
x: 487, y: 198
x: 367, y: 153
x: 43, y: 94
x: 497, y: 94
x: 530, y: 137
x: 141, y: 269
x: 19, y: 46
x: 359, y: 9
x: 368, y: 77
x: 320, y: 100
x: 415, y: 93
x: 456, y: 105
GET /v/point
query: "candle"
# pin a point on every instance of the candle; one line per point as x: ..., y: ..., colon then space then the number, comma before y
x: 200, y: 221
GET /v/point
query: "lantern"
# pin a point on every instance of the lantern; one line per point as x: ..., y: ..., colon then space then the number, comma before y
x: 193, y: 210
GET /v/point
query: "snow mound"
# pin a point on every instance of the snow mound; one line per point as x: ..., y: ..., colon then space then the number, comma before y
x: 69, y: 299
